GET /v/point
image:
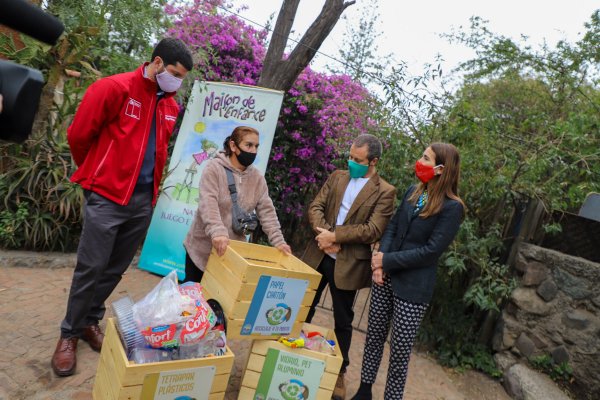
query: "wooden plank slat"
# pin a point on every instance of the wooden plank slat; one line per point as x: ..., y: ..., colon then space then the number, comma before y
x: 114, y: 350
x: 226, y: 276
x: 323, y: 394
x: 255, y: 362
x: 213, y: 288
x: 102, y: 389
x: 232, y: 259
x: 251, y: 379
x: 246, y: 393
x: 268, y: 257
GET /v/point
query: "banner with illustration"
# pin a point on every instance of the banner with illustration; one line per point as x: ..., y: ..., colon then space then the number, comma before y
x: 289, y: 376
x: 213, y: 111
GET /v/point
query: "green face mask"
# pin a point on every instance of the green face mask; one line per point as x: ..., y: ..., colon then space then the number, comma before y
x: 357, y: 170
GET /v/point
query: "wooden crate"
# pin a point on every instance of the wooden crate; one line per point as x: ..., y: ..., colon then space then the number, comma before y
x: 232, y: 280
x: 118, y: 378
x: 258, y: 353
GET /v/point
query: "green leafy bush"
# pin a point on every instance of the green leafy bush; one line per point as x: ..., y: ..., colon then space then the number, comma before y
x: 11, y: 226
x: 45, y: 205
x: 561, y: 373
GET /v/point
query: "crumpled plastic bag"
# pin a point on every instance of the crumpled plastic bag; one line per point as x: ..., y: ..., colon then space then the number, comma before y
x: 163, y: 305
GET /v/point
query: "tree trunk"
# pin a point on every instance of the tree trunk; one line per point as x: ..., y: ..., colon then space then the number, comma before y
x: 279, y: 38
x: 41, y: 121
x: 280, y: 74
x: 55, y: 75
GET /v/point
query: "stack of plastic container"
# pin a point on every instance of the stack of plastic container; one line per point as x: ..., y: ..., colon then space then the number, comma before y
x: 128, y: 331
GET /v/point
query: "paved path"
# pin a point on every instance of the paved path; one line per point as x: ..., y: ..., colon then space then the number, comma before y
x: 32, y: 303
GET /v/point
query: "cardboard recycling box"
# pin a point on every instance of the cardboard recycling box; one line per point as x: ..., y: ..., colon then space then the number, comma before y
x: 247, y: 269
x: 117, y: 378
x: 258, y: 355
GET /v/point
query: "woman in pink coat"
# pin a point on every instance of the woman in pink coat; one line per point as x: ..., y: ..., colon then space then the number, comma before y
x: 212, y: 226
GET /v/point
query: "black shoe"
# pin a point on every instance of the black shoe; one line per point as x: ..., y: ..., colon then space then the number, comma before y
x: 364, y: 392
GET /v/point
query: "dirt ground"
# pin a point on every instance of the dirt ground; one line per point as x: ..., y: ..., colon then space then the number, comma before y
x: 32, y: 303
x: 429, y: 380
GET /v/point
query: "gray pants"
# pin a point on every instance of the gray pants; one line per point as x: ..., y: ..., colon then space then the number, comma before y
x: 109, y: 240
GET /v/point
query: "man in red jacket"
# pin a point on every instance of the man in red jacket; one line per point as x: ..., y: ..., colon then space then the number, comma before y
x: 118, y: 140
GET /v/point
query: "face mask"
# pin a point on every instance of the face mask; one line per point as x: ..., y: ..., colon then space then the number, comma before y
x: 168, y: 82
x: 246, y: 158
x: 425, y: 172
x: 357, y: 170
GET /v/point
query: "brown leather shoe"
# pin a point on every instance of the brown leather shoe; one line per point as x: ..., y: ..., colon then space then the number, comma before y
x: 64, y: 359
x: 339, y: 391
x: 94, y: 336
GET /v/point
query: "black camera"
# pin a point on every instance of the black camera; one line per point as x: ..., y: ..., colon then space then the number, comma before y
x: 246, y: 223
x: 20, y: 86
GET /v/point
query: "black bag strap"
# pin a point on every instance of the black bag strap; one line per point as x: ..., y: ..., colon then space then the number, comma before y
x: 231, y: 184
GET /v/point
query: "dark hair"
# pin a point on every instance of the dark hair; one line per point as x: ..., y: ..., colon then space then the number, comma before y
x: 373, y: 144
x: 441, y: 186
x: 237, y: 136
x: 173, y: 51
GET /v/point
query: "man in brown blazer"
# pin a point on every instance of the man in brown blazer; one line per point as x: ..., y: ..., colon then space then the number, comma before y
x: 348, y: 216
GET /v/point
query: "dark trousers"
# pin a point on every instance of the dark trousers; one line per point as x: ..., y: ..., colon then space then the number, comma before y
x: 109, y: 240
x: 342, y: 300
x: 192, y: 272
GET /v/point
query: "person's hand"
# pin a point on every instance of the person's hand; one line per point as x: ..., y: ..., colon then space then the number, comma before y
x: 377, y: 261
x: 325, y: 238
x: 378, y: 275
x: 220, y: 244
x: 0, y: 104
x: 333, y: 249
x: 285, y: 248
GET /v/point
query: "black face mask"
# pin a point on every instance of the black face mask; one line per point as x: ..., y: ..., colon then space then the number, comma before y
x: 246, y: 158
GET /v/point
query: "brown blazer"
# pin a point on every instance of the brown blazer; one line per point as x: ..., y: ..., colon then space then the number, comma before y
x: 363, y: 226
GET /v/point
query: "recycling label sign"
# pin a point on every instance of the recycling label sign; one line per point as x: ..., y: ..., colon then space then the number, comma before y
x: 289, y: 376
x: 274, y: 306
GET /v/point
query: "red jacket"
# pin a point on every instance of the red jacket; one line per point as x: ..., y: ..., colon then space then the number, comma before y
x: 109, y: 134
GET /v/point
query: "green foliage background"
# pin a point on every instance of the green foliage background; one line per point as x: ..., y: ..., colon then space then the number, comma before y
x: 41, y: 209
x: 527, y: 125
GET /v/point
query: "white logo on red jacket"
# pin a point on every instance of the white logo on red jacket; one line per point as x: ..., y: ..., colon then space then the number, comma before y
x: 170, y: 118
x: 133, y: 109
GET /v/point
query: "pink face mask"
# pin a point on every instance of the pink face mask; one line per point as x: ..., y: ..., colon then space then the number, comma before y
x: 168, y: 82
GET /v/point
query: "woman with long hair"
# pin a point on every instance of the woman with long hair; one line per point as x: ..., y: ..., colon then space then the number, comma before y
x: 404, y: 267
x: 212, y: 226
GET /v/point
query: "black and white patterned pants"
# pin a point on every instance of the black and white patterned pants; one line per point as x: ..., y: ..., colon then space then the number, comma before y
x: 405, y: 317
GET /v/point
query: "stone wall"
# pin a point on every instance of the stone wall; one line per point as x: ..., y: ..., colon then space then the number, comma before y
x: 34, y: 259
x: 555, y: 311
